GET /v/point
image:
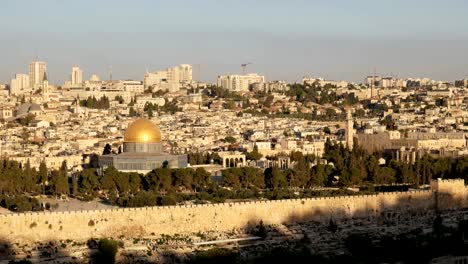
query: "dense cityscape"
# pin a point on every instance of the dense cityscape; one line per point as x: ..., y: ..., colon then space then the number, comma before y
x: 241, y: 166
x: 243, y: 138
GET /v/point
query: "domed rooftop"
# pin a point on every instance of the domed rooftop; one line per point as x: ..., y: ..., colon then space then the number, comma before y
x: 142, y: 130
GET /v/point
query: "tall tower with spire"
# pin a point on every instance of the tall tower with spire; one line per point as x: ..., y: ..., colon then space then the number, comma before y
x: 349, y: 129
x: 45, y: 84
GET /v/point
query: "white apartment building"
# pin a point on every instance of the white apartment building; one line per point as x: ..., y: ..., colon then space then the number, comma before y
x: 154, y: 78
x: 76, y: 76
x: 387, y: 82
x: 37, y: 71
x: 179, y: 74
x: 19, y: 84
x: 239, y: 83
x: 133, y: 86
x: 171, y: 76
x: 322, y: 82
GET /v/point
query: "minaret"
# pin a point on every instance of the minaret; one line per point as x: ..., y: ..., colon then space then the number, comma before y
x: 77, y: 109
x: 45, y: 84
x: 349, y: 129
x: 45, y: 88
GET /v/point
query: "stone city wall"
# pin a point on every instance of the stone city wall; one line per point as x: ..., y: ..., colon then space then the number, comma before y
x: 136, y: 222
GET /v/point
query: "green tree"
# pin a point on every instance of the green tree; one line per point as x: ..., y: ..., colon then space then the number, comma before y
x: 132, y: 112
x: 59, y: 180
x: 43, y: 174
x: 107, y: 180
x: 122, y: 181
x: 107, y: 149
x: 134, y: 182
x: 183, y: 178
x: 268, y: 101
x: 88, y: 181
x: 150, y: 113
x: 201, y: 178
x: 230, y: 139
x: 159, y: 180
x: 231, y: 178
x: 254, y: 154
x: 274, y: 178
x: 30, y: 179
x: 385, y: 175
x: 424, y: 169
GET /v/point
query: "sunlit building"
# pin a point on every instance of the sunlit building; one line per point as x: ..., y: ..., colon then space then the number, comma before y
x: 20, y: 84
x: 37, y: 73
x: 76, y: 76
x: 239, y: 83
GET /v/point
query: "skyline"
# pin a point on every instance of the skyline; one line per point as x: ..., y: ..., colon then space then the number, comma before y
x: 417, y: 39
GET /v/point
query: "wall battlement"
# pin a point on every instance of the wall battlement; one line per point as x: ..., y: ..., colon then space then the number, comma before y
x: 135, y: 222
x: 262, y: 202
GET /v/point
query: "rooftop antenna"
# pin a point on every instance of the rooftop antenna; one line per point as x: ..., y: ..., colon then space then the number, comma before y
x: 199, y: 72
x: 244, y: 65
x: 36, y: 57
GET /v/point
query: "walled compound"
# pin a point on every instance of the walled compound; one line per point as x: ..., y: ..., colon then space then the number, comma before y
x: 223, y: 217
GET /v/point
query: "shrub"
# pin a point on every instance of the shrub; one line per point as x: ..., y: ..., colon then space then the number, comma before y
x: 107, y: 250
x: 261, y: 231
x: 168, y: 200
x: 215, y: 255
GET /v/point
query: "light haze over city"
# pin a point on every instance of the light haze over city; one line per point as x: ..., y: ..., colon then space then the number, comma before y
x: 282, y: 39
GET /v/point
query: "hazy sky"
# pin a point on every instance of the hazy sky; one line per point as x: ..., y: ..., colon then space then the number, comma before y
x: 283, y: 39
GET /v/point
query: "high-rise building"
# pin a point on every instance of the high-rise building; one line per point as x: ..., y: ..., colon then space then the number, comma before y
x: 178, y: 74
x: 37, y: 70
x: 239, y: 83
x: 171, y: 77
x: 185, y: 73
x: 19, y: 84
x: 76, y: 76
x: 154, y: 78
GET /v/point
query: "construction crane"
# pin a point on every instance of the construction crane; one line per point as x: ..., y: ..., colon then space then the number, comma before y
x: 110, y: 73
x: 198, y: 70
x: 244, y: 65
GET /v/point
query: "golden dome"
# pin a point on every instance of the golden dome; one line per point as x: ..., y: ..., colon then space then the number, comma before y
x: 142, y: 130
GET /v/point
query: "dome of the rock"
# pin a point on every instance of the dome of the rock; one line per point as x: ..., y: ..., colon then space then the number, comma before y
x: 142, y: 130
